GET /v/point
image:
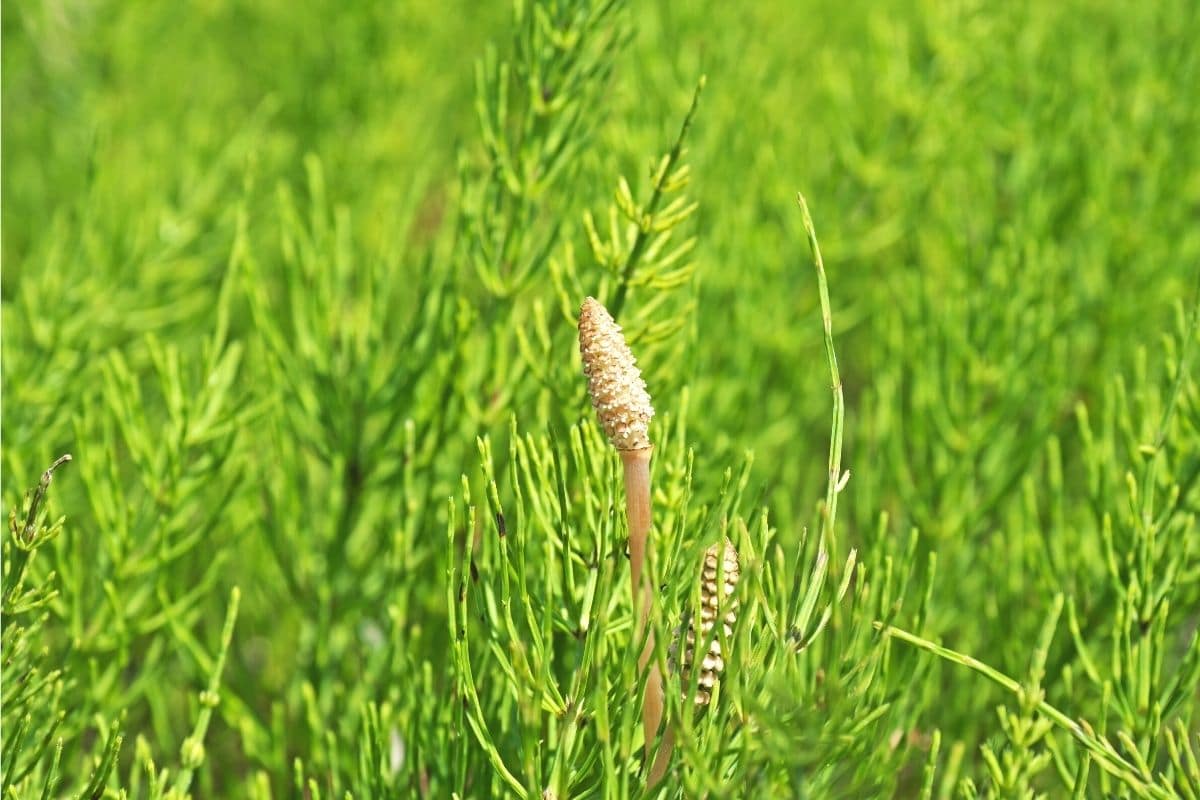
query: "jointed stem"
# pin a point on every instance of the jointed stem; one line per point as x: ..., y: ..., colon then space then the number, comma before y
x: 839, y: 402
x: 1102, y: 752
x: 661, y: 177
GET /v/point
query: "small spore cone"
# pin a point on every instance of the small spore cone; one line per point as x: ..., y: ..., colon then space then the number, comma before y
x: 614, y: 382
x: 714, y: 598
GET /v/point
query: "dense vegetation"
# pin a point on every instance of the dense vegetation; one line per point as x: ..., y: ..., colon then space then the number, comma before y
x: 296, y: 285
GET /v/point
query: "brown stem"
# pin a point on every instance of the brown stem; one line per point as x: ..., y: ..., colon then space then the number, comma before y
x: 637, y: 509
x: 652, y: 703
x: 662, y: 758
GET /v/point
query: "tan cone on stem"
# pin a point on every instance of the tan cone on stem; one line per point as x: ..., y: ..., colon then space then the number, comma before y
x: 614, y: 382
x: 623, y: 407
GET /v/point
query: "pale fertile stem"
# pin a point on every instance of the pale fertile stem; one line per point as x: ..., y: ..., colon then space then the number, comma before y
x: 652, y: 705
x: 637, y: 510
x: 659, y: 768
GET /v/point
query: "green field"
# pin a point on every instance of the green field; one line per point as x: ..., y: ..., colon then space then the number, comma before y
x: 296, y: 285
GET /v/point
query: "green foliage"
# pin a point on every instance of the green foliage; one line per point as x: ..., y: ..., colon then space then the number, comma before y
x: 296, y: 288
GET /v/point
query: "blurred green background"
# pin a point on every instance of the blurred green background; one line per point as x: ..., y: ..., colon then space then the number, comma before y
x: 1008, y: 200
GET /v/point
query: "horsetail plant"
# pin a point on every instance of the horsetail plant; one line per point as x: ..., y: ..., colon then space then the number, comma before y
x: 623, y: 407
x: 718, y: 580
